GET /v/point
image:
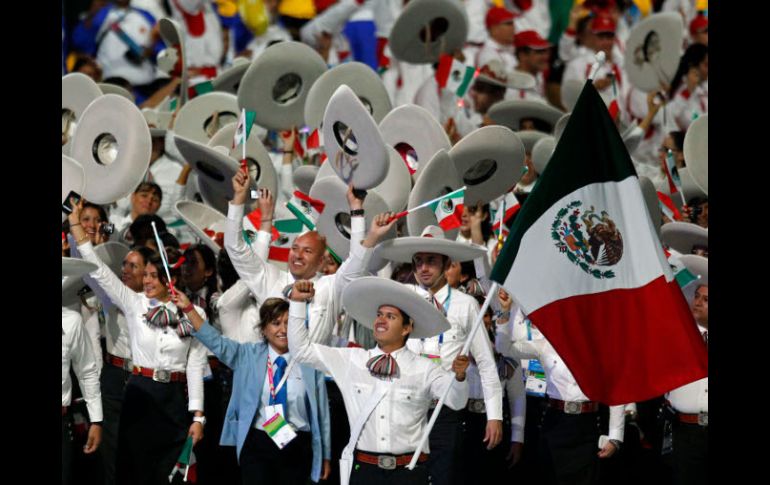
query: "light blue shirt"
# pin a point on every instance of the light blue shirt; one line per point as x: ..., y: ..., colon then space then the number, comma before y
x: 295, y: 390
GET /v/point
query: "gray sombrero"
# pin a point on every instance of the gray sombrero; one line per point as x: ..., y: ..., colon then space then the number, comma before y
x: 542, y: 151
x: 402, y: 249
x: 77, y: 92
x: 359, y: 77
x: 696, y: 152
x: 114, y: 146
x: 511, y: 112
x: 276, y: 84
x: 215, y: 169
x: 653, y: 50
x: 198, y: 217
x: 699, y: 267
x: 683, y: 236
x: 363, y: 297
x: 352, y: 141
x: 73, y: 179
x: 489, y: 162
x: 230, y: 79
x: 440, y: 178
x: 425, y: 29
x: 195, y: 119
x: 261, y: 168
x: 411, y: 128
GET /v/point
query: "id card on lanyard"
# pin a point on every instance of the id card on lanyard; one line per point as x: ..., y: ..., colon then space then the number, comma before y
x: 534, y: 377
x: 437, y: 358
x: 277, y: 428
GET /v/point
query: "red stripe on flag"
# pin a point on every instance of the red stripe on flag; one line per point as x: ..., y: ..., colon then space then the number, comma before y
x: 255, y: 217
x: 298, y: 148
x: 315, y: 203
x: 626, y: 345
x: 453, y: 221
x: 313, y: 141
x: 278, y: 254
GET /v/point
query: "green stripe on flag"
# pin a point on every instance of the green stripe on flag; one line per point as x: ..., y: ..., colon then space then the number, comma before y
x: 203, y: 88
x: 590, y: 151
x: 293, y: 226
x: 684, y: 278
x: 466, y: 82
x: 172, y: 104
x: 177, y: 223
x: 301, y: 216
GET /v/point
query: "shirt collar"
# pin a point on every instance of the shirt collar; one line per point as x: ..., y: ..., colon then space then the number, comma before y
x: 274, y: 355
x: 397, y: 354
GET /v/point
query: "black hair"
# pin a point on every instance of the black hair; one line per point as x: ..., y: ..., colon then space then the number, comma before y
x: 210, y: 263
x: 404, y: 273
x: 141, y: 228
x: 99, y: 209
x: 150, y: 187
x: 226, y: 271
x: 678, y: 137
x: 493, y: 90
x: 692, y: 57
x: 173, y: 256
x: 143, y: 251
x: 272, y: 309
x: 169, y: 240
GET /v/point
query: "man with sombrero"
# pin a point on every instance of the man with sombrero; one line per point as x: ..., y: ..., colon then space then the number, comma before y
x: 431, y: 255
x: 388, y: 389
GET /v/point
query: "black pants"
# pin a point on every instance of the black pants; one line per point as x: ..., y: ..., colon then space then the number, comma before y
x: 113, y: 381
x: 690, y: 454
x: 487, y: 465
x: 568, y: 448
x: 527, y: 470
x: 66, y: 449
x: 217, y: 465
x: 367, y: 474
x: 263, y: 463
x: 340, y: 429
x: 154, y: 423
x: 446, y: 444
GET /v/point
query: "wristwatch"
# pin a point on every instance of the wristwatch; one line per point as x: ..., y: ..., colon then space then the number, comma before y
x: 357, y: 212
x: 200, y: 419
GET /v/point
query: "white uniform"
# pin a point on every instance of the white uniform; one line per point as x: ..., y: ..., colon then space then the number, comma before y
x: 491, y: 50
x: 111, y: 50
x: 203, y: 48
x: 692, y: 398
x: 331, y: 21
x: 76, y: 351
x: 580, y: 67
x: 537, y: 17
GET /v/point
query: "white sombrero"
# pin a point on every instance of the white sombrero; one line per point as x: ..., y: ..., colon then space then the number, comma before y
x: 73, y: 179
x: 560, y: 125
x: 114, y: 146
x: 334, y: 221
x: 652, y: 202
x: 304, y: 176
x: 173, y: 36
x: 72, y: 272
x: 77, y: 92
x: 363, y: 297
x: 570, y: 92
x: 215, y: 169
x: 112, y: 254
x: 440, y: 177
x: 261, y: 168
x: 689, y: 188
x: 425, y: 29
x: 683, y: 236
x: 402, y: 249
x: 489, y: 162
x: 541, y: 153
x: 199, y: 218
x: 529, y: 138
x: 230, y: 79
x: 511, y: 112
x: 699, y: 267
x: 653, y: 50
x: 696, y: 152
x: 359, y: 77
x: 276, y: 84
x: 411, y: 128
x: 394, y: 190
x: 108, y: 88
x: 353, y: 144
x: 195, y: 118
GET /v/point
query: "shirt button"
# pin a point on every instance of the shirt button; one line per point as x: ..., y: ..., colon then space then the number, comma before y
x: 382, y: 439
x: 382, y: 417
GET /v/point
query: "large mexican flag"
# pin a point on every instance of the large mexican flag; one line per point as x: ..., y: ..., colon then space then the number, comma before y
x: 585, y: 264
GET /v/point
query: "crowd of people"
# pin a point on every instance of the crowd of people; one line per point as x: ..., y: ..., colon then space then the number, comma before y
x: 226, y: 285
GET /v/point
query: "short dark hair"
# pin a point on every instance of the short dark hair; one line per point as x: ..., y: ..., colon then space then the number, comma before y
x: 150, y: 187
x: 173, y: 255
x: 226, y: 271
x: 141, y: 228
x: 493, y: 90
x: 143, y: 251
x: 98, y: 208
x: 272, y: 309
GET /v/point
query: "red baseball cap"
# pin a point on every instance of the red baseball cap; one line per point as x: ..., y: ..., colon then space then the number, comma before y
x: 498, y: 15
x: 601, y: 24
x: 699, y: 24
x: 531, y: 39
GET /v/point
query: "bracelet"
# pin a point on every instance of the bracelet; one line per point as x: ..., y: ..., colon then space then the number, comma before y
x: 188, y: 308
x: 356, y: 212
x: 75, y: 224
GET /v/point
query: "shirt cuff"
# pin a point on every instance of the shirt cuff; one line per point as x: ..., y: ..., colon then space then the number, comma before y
x: 616, y: 434
x: 195, y: 405
x: 517, y: 434
x: 297, y: 309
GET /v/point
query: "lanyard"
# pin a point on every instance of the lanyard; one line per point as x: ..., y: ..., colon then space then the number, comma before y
x: 446, y: 311
x: 270, y: 378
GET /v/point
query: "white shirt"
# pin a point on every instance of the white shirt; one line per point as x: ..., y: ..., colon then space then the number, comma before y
x: 76, y: 350
x: 238, y: 314
x: 155, y: 348
x: 397, y: 423
x: 537, y: 18
x: 295, y: 394
x: 560, y: 384
x: 461, y: 313
x: 514, y: 387
x: 111, y: 50
x: 206, y: 49
x: 265, y: 280
x: 686, y: 104
x: 692, y: 398
x: 491, y: 50
x: 274, y: 32
x: 114, y: 330
x: 580, y: 67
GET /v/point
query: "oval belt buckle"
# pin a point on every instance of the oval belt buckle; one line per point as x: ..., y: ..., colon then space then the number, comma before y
x: 386, y: 462
x: 163, y: 376
x: 572, y: 407
x: 703, y: 419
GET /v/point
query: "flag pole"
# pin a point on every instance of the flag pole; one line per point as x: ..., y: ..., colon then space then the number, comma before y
x: 424, y: 204
x: 479, y: 321
x: 601, y: 58
x: 162, y: 251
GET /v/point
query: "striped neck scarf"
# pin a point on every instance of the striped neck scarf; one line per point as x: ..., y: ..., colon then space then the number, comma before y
x: 383, y: 365
x: 162, y: 317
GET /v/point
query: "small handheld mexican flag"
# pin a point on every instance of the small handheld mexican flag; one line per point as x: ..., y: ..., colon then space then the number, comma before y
x: 283, y: 233
x: 305, y: 208
x: 187, y: 462
x: 449, y: 209
x: 245, y: 121
x: 454, y: 75
x: 682, y: 275
x: 668, y: 208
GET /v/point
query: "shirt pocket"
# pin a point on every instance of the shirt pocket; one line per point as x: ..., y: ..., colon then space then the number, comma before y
x: 409, y: 405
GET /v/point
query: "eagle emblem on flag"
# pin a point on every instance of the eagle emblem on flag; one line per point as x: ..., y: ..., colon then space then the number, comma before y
x: 589, y: 240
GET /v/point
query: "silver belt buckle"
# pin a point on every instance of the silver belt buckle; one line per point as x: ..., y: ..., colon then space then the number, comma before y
x: 571, y: 407
x: 477, y: 406
x: 128, y: 365
x: 703, y: 419
x: 386, y: 462
x: 163, y: 376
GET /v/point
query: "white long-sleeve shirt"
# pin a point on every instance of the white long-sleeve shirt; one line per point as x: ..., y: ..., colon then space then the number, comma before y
x: 151, y: 347
x: 76, y: 351
x: 239, y: 314
x: 397, y: 423
x: 692, y: 398
x: 207, y: 48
